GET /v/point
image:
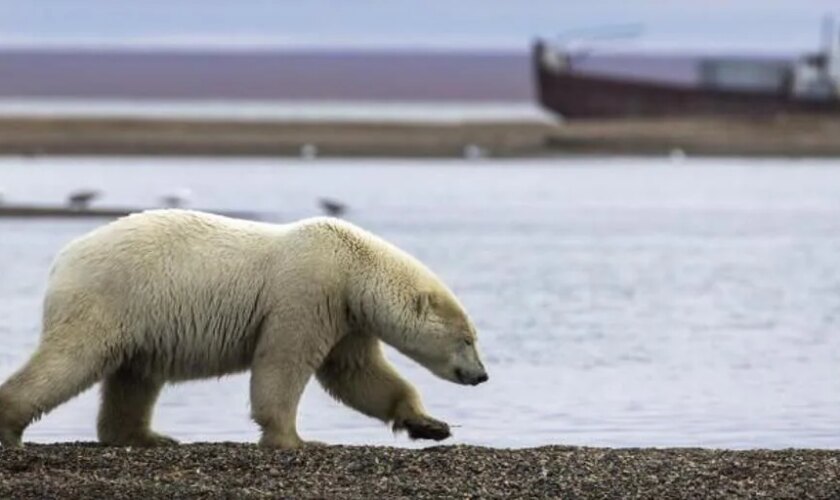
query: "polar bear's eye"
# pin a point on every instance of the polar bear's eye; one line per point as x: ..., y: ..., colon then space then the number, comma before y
x: 468, y: 342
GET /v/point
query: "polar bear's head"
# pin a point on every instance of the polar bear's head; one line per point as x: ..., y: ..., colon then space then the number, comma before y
x: 393, y: 296
x: 439, y: 335
x: 413, y: 311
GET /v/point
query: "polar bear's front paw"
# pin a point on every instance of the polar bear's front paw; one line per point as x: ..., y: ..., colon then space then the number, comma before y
x: 424, y: 427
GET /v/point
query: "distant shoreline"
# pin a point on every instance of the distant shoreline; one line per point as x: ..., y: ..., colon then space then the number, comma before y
x: 794, y: 136
x: 340, y: 138
x: 230, y: 470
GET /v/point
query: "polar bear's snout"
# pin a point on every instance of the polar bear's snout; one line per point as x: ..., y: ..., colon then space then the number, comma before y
x: 469, y: 370
x: 471, y: 379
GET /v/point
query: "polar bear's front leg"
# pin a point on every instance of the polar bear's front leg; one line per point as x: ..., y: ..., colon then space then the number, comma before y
x: 357, y: 373
x: 285, y: 359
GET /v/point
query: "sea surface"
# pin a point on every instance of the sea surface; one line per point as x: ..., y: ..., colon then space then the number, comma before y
x: 620, y: 302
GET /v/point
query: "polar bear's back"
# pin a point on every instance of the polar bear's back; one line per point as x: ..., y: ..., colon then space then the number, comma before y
x: 177, y: 284
x: 162, y: 245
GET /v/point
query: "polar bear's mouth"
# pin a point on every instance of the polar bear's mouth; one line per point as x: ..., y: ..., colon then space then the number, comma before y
x: 468, y: 379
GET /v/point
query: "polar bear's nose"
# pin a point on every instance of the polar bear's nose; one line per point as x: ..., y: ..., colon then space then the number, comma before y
x: 471, y: 379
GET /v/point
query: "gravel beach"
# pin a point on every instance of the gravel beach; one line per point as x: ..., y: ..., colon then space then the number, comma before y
x: 228, y: 470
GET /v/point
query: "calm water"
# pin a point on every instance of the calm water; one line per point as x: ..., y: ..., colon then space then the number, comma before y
x: 620, y: 302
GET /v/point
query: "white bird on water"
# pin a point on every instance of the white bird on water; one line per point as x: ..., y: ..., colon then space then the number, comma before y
x: 309, y: 151
x: 474, y: 152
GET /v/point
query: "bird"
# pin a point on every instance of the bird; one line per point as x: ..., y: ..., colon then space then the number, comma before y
x: 81, y: 198
x: 177, y: 198
x: 332, y: 207
x: 474, y: 152
x: 309, y: 151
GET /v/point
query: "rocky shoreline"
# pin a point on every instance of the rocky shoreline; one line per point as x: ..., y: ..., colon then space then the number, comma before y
x: 233, y: 470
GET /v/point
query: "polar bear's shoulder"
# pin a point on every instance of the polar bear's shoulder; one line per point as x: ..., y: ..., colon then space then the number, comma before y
x: 360, y: 243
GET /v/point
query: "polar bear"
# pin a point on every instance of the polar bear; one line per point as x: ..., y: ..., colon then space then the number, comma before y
x: 173, y: 295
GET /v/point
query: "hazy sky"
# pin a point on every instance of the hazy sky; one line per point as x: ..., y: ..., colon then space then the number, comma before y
x: 752, y: 24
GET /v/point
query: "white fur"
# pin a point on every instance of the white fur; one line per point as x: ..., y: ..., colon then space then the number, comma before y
x: 173, y: 295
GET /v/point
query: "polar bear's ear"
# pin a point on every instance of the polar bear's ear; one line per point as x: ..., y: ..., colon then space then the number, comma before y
x: 421, y: 303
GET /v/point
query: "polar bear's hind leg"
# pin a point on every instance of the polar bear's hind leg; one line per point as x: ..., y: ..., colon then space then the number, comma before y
x: 125, y: 416
x: 63, y: 366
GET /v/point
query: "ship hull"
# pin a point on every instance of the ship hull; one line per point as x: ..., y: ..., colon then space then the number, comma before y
x: 575, y: 95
